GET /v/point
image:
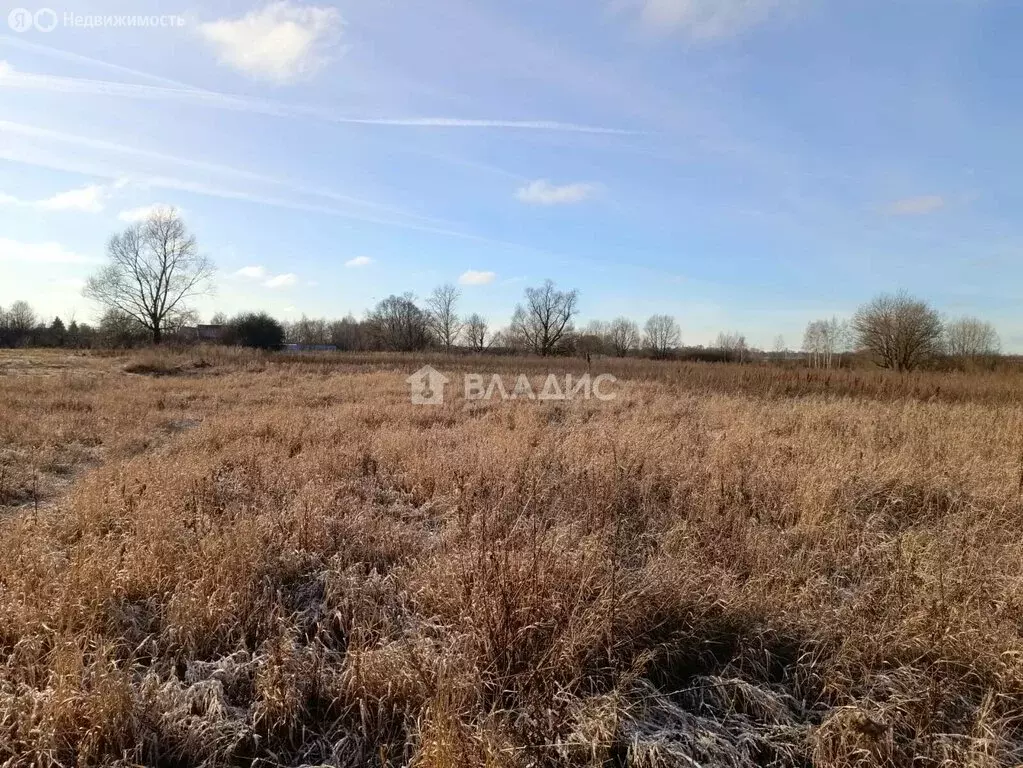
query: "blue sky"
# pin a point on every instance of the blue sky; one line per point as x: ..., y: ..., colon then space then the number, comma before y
x: 739, y: 164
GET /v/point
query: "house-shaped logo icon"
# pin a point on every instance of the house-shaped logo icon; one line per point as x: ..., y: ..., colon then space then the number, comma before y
x: 427, y: 385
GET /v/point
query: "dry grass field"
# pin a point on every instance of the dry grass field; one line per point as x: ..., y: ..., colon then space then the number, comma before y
x: 222, y: 558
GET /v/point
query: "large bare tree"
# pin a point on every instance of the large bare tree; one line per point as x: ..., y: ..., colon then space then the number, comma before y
x: 542, y: 323
x: 154, y: 268
x: 399, y: 324
x: 444, y: 321
x: 661, y: 335
x: 623, y: 336
x: 900, y: 332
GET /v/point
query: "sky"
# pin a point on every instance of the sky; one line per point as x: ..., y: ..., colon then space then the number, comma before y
x: 743, y: 165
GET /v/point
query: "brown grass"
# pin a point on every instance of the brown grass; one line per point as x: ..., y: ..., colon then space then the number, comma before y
x: 280, y: 561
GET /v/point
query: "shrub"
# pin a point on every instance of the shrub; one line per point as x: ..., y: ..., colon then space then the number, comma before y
x: 256, y: 329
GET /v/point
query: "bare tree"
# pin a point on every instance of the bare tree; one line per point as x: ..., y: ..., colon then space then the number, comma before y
x: 623, y: 336
x: 969, y: 338
x: 154, y: 268
x: 308, y: 331
x: 824, y: 339
x: 840, y: 339
x: 16, y: 324
x: 444, y: 321
x: 901, y: 332
x: 592, y: 340
x: 779, y: 345
x: 542, y: 322
x: 662, y: 335
x: 733, y: 345
x: 21, y: 318
x: 502, y: 337
x: 348, y: 334
x: 119, y: 329
x: 598, y: 328
x: 813, y: 343
x: 477, y: 333
x: 400, y: 325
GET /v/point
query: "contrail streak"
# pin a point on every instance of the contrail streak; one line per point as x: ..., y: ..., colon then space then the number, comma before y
x: 181, y: 93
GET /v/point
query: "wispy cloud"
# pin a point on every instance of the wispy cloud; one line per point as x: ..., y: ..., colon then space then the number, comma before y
x: 334, y: 205
x: 143, y: 212
x: 359, y: 261
x: 915, y: 206
x: 216, y: 100
x: 281, y: 281
x: 458, y: 122
x: 542, y: 192
x: 281, y: 42
x: 252, y: 273
x: 87, y: 199
x: 18, y: 41
x: 702, y: 19
x: 40, y: 253
x: 265, y: 278
x: 177, y: 161
x: 474, y: 277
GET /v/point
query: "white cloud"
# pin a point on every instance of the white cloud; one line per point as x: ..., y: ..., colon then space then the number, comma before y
x: 40, y: 253
x: 281, y: 281
x: 702, y: 19
x: 542, y: 192
x: 253, y: 273
x: 915, y: 206
x: 281, y: 42
x: 262, y: 274
x: 88, y: 199
x: 5, y: 68
x: 473, y: 277
x: 359, y: 261
x: 143, y: 212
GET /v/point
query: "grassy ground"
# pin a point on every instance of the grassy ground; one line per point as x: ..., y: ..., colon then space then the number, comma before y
x: 224, y: 558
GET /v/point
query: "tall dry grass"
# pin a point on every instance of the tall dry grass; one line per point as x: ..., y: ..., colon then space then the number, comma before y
x: 282, y: 561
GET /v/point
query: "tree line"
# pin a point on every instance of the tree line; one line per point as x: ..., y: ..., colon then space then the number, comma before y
x: 21, y: 326
x: 902, y: 333
x: 154, y: 270
x: 542, y: 324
